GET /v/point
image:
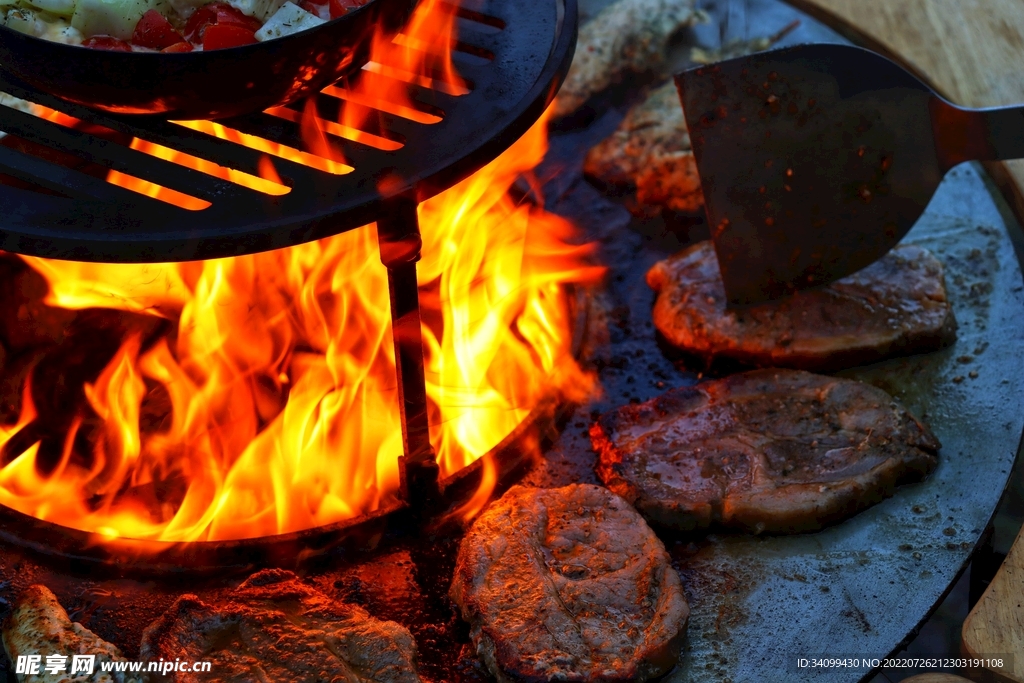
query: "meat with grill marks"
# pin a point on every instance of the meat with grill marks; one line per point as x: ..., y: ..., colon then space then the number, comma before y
x: 570, y: 585
x: 894, y: 307
x: 39, y: 626
x: 274, y: 627
x: 780, y: 451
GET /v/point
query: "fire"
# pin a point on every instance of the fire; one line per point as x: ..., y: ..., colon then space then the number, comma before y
x: 276, y: 376
x: 280, y: 370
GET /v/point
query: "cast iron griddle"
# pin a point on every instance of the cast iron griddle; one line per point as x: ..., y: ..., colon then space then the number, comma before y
x: 861, y: 588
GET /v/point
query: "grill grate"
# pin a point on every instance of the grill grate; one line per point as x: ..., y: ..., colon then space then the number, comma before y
x: 513, y: 53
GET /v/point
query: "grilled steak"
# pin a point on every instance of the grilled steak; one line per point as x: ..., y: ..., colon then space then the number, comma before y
x: 275, y: 628
x: 650, y: 154
x: 40, y: 626
x: 782, y: 451
x: 896, y: 306
x: 569, y: 584
x: 627, y: 37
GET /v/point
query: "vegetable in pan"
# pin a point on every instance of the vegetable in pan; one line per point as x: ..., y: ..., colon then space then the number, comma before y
x: 167, y: 25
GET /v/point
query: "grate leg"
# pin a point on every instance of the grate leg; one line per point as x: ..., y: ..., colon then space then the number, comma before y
x: 400, y: 243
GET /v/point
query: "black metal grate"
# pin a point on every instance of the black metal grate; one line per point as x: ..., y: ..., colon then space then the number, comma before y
x: 513, y: 53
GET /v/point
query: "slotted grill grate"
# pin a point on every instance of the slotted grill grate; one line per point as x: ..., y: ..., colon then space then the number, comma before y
x: 512, y: 53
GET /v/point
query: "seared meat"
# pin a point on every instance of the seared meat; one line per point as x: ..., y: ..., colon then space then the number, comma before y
x: 896, y: 306
x: 40, y: 626
x: 569, y: 584
x: 275, y: 628
x: 650, y: 152
x: 782, y: 451
x: 627, y: 37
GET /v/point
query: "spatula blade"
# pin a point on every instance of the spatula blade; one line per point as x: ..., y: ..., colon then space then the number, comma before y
x: 814, y: 161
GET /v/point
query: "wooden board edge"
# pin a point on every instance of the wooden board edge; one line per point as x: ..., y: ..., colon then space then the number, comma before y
x: 998, y: 585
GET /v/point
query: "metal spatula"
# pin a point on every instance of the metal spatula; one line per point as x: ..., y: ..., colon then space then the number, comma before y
x: 816, y: 160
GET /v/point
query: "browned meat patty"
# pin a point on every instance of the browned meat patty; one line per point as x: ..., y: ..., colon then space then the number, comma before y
x: 40, y: 626
x: 896, y: 306
x: 650, y: 154
x: 568, y: 585
x: 275, y: 628
x: 782, y: 451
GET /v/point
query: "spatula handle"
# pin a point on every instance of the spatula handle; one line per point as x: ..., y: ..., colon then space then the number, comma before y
x: 995, y: 134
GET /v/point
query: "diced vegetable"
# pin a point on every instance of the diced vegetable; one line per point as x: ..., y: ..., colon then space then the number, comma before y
x: 150, y: 24
x: 226, y: 14
x: 107, y: 43
x: 197, y: 23
x: 261, y: 9
x: 220, y: 36
x: 316, y: 9
x: 342, y: 7
x: 22, y: 20
x: 182, y: 8
x: 289, y: 19
x: 115, y: 18
x: 153, y: 30
x: 217, y: 13
x: 62, y: 8
x: 40, y: 24
x: 178, y: 47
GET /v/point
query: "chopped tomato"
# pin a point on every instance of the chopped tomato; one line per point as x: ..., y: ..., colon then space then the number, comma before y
x: 226, y: 14
x: 311, y: 7
x: 197, y: 23
x: 217, y: 13
x: 220, y: 36
x: 178, y: 47
x: 107, y: 43
x: 341, y: 7
x: 153, y: 30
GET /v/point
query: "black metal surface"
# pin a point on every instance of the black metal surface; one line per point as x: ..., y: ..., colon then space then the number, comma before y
x: 860, y: 588
x: 400, y: 244
x: 815, y: 160
x: 514, y: 71
x: 201, y: 84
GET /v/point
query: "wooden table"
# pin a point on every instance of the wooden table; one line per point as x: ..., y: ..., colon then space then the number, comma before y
x: 996, y: 624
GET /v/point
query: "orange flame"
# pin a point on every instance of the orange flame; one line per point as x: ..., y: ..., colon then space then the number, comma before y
x: 277, y: 381
x: 421, y: 55
x: 280, y: 373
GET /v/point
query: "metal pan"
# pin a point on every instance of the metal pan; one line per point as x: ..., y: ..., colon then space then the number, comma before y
x: 201, y: 85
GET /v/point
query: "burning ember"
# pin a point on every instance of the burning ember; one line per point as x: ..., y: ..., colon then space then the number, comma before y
x: 274, y: 384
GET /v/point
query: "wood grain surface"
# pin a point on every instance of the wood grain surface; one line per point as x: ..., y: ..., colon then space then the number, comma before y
x: 996, y: 624
x: 970, y: 51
